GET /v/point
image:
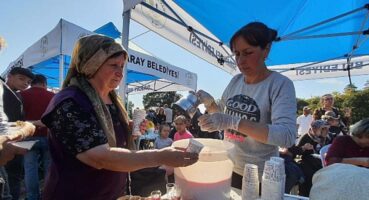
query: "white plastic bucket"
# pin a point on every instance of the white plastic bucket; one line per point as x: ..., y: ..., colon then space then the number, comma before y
x: 210, y: 177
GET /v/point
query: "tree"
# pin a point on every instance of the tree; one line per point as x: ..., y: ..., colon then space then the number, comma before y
x: 358, y: 102
x: 350, y: 88
x: 300, y: 105
x: 366, y: 85
x: 156, y: 99
x: 313, y: 103
x: 130, y: 109
x: 2, y: 43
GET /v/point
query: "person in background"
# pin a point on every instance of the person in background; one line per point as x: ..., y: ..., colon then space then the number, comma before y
x: 308, y: 147
x: 347, y: 116
x: 163, y: 140
x: 18, y: 79
x: 151, y: 115
x: 34, y: 107
x: 327, y: 104
x: 148, y: 137
x: 182, y: 132
x: 351, y: 149
x: 336, y: 125
x: 89, y: 139
x: 257, y: 110
x: 7, y: 138
x: 160, y: 116
x: 303, y: 121
x: 168, y: 115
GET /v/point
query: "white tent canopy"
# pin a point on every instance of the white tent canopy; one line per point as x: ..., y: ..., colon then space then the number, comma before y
x: 145, y: 73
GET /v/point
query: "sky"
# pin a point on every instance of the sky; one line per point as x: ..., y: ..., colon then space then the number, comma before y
x: 24, y: 22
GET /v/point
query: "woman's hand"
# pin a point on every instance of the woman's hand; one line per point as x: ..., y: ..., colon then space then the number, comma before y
x: 218, y: 121
x: 205, y: 98
x: 177, y: 157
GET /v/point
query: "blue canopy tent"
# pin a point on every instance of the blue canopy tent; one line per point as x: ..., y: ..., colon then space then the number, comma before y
x: 51, y: 56
x: 317, y: 39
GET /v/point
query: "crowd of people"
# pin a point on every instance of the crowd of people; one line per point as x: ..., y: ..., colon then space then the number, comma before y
x: 84, y: 135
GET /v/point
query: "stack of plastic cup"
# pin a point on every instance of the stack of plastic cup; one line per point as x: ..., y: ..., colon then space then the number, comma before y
x: 273, y: 180
x: 250, y: 182
x: 137, y: 117
x: 282, y: 170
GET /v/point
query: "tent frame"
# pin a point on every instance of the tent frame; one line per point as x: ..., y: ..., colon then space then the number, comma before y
x: 290, y: 36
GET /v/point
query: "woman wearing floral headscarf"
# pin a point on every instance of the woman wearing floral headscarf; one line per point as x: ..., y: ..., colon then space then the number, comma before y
x: 89, y: 137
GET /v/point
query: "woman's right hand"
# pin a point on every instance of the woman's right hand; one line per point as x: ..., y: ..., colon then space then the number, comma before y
x: 177, y: 157
x: 205, y: 98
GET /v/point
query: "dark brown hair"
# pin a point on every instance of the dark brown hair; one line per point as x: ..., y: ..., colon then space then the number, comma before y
x: 39, y: 79
x: 256, y: 34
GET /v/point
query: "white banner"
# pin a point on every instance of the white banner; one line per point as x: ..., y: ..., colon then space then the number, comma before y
x: 202, y: 47
x: 329, y: 69
x: 146, y: 64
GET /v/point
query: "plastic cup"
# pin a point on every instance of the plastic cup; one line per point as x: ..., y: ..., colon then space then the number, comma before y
x: 194, y: 146
x: 155, y: 195
x: 250, y: 182
x: 171, y: 189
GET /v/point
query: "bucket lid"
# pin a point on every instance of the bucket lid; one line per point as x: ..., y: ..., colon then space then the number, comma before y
x: 214, y: 150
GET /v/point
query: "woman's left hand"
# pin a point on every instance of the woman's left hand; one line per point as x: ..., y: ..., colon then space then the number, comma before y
x: 177, y: 158
x: 218, y: 121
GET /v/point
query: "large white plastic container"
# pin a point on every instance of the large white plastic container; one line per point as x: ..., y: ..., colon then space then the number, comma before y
x: 210, y: 177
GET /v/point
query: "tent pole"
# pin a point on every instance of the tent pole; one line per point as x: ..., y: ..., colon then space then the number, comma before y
x: 61, y: 58
x: 125, y: 37
x: 61, y: 70
x: 348, y: 68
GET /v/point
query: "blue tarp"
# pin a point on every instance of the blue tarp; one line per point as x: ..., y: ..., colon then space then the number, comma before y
x: 223, y: 18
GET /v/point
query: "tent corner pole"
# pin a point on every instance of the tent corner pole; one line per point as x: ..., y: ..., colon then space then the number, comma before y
x: 125, y: 38
x: 61, y: 71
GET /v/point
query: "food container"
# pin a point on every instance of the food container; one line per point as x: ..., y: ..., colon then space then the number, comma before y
x: 210, y: 177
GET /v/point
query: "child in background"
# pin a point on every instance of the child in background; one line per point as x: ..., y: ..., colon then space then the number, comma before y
x: 163, y: 140
x: 182, y: 132
x: 146, y: 140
